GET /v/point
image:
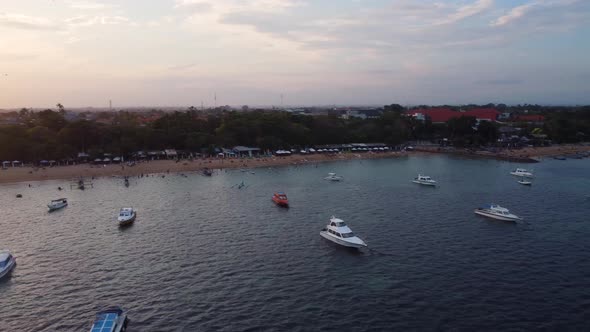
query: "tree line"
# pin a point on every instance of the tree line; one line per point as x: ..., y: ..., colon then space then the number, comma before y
x: 48, y: 135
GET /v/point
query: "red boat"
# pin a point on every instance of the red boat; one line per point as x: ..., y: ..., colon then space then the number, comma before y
x: 280, y: 199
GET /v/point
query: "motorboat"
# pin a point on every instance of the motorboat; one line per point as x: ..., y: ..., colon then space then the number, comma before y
x: 126, y: 216
x: 112, y: 319
x: 333, y: 177
x: 424, y: 180
x: 126, y: 182
x: 207, y: 172
x: 7, y: 263
x: 525, y: 182
x: 522, y: 172
x: 495, y: 211
x: 338, y: 232
x: 280, y: 199
x: 57, y: 204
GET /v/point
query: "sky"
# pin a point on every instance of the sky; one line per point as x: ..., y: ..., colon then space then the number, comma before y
x: 311, y: 52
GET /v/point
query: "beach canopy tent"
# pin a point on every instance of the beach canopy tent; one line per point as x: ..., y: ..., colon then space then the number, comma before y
x: 117, y: 159
x: 44, y: 162
x: 6, y: 164
x: 51, y: 162
x: 98, y: 160
x: 16, y: 163
x: 107, y: 160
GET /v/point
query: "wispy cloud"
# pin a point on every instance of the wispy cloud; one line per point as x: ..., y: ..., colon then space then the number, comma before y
x: 19, y: 21
x: 90, y: 5
x: 86, y: 20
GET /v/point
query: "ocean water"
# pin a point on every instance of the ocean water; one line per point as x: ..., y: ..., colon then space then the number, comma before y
x: 206, y: 256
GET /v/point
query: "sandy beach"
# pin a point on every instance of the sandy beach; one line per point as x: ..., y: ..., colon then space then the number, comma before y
x: 23, y: 174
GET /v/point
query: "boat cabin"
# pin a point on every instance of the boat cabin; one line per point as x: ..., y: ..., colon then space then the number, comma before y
x: 281, y: 196
x: 126, y: 212
x: 59, y: 200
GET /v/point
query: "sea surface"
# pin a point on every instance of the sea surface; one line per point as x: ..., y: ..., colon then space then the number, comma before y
x: 204, y: 255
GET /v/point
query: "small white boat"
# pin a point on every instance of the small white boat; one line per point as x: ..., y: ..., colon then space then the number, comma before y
x: 7, y: 263
x: 525, y: 182
x: 126, y: 216
x: 110, y: 320
x: 495, y: 211
x: 522, y: 172
x: 424, y: 180
x: 338, y: 232
x: 333, y: 177
x: 57, y: 204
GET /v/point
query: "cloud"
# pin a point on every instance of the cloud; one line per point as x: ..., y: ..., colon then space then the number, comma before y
x: 90, y: 5
x: 548, y: 14
x: 468, y: 10
x: 18, y: 21
x: 507, y: 81
x: 86, y: 20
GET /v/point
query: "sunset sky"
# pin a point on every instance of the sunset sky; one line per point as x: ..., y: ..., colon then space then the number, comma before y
x: 314, y: 52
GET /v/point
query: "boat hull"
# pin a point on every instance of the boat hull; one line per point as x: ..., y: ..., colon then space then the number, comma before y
x: 525, y: 183
x: 341, y: 242
x: 56, y: 207
x: 8, y: 269
x: 127, y: 222
x: 431, y: 184
x: 495, y: 216
x: 523, y: 175
x: 280, y: 202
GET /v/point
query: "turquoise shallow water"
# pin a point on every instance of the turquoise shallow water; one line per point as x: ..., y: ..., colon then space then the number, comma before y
x: 203, y: 256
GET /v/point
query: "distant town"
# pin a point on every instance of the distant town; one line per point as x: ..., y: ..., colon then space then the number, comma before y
x: 62, y: 134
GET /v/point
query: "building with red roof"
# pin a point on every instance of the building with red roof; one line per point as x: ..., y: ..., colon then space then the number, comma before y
x: 443, y: 114
x: 529, y: 118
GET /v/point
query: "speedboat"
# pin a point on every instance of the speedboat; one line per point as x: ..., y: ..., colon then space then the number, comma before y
x: 495, y: 211
x: 7, y: 263
x: 525, y: 182
x: 126, y: 216
x: 112, y: 319
x: 424, y: 180
x: 338, y: 232
x: 522, y: 172
x: 57, y: 204
x: 280, y: 199
x: 333, y: 177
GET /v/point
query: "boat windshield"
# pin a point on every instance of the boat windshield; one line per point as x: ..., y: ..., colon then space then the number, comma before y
x: 347, y: 235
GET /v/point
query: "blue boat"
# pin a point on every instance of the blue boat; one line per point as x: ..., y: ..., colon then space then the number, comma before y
x: 112, y: 319
x: 7, y: 263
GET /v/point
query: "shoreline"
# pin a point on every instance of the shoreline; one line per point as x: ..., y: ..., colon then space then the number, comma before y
x: 25, y: 174
x: 68, y: 173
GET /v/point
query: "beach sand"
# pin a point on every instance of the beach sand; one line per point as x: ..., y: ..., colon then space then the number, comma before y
x: 24, y: 174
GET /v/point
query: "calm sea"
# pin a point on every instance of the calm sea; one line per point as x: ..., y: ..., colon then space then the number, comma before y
x: 206, y: 256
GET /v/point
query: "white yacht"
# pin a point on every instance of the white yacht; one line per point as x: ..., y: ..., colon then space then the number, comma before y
x: 333, y: 177
x: 495, y: 211
x: 7, y: 263
x: 338, y: 232
x: 522, y: 172
x: 57, y: 204
x: 424, y: 180
x: 126, y: 216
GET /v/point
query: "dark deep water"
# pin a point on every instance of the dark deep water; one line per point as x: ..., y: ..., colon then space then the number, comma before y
x: 203, y: 256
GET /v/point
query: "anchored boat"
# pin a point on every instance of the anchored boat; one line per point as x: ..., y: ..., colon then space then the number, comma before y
x: 333, y: 177
x: 497, y: 212
x: 424, y: 180
x: 7, y: 263
x: 57, y: 204
x: 126, y: 216
x: 112, y: 319
x: 522, y: 172
x: 338, y: 232
x: 280, y: 199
